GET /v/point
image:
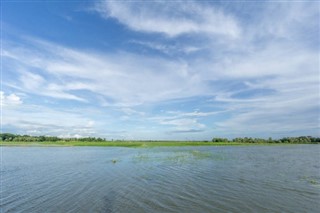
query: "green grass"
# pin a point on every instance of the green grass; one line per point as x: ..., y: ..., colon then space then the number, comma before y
x: 131, y: 143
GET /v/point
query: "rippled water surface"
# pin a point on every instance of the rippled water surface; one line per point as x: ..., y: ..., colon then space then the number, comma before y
x: 164, y: 179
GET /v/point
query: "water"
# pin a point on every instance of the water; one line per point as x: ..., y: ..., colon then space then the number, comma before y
x: 164, y: 179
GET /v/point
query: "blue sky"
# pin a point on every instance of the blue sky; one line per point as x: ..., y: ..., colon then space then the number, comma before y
x: 181, y: 70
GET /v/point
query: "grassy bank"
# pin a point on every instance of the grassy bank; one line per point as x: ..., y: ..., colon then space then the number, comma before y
x: 131, y: 143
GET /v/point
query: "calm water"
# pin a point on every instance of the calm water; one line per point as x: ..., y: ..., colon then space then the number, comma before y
x: 165, y: 179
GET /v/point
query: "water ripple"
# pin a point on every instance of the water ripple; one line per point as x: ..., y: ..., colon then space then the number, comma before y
x: 192, y: 179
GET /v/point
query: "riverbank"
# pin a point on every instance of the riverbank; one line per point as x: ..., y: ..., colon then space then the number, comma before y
x: 134, y: 143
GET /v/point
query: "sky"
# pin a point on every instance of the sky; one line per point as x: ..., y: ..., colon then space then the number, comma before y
x: 160, y: 70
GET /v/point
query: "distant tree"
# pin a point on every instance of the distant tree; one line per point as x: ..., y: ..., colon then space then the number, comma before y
x: 27, y: 138
x: 220, y: 140
x: 8, y: 136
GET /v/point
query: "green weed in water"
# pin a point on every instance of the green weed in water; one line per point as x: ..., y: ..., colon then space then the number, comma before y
x: 314, y: 182
x: 141, y: 158
x: 189, y: 156
x: 200, y: 155
x: 310, y: 180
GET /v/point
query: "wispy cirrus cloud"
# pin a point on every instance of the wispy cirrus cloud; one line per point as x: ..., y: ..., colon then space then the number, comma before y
x: 37, y: 84
x: 43, y: 120
x: 173, y: 19
x: 168, y: 49
x: 124, y: 78
x: 183, y: 124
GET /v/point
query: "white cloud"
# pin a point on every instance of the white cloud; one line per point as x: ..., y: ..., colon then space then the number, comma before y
x: 275, y: 60
x: 71, y: 136
x: 294, y: 109
x: 127, y: 79
x: 200, y: 114
x: 169, y: 49
x: 41, y: 120
x: 183, y: 124
x: 289, y: 20
x: 36, y: 84
x: 170, y: 18
x: 10, y: 100
x: 129, y: 111
x: 90, y: 123
x: 179, y: 115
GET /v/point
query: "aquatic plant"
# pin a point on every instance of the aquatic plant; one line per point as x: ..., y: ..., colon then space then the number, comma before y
x: 141, y: 157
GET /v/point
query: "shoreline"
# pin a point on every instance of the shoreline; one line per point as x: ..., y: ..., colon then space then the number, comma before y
x: 136, y: 144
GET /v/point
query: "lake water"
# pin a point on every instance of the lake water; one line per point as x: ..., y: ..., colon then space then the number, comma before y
x: 163, y: 179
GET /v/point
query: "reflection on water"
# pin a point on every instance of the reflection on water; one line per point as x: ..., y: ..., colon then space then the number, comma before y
x: 164, y: 179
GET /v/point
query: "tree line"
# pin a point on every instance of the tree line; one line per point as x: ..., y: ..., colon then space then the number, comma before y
x: 28, y: 138
x: 297, y: 140
x: 42, y: 138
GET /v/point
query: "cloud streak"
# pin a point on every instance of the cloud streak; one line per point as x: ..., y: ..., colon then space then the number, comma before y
x: 177, y: 18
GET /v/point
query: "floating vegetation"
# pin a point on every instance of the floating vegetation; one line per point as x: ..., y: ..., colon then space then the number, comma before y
x: 141, y: 158
x: 179, y: 156
x: 314, y: 182
x: 200, y: 155
x: 114, y: 161
x: 191, y: 156
x: 310, y: 180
